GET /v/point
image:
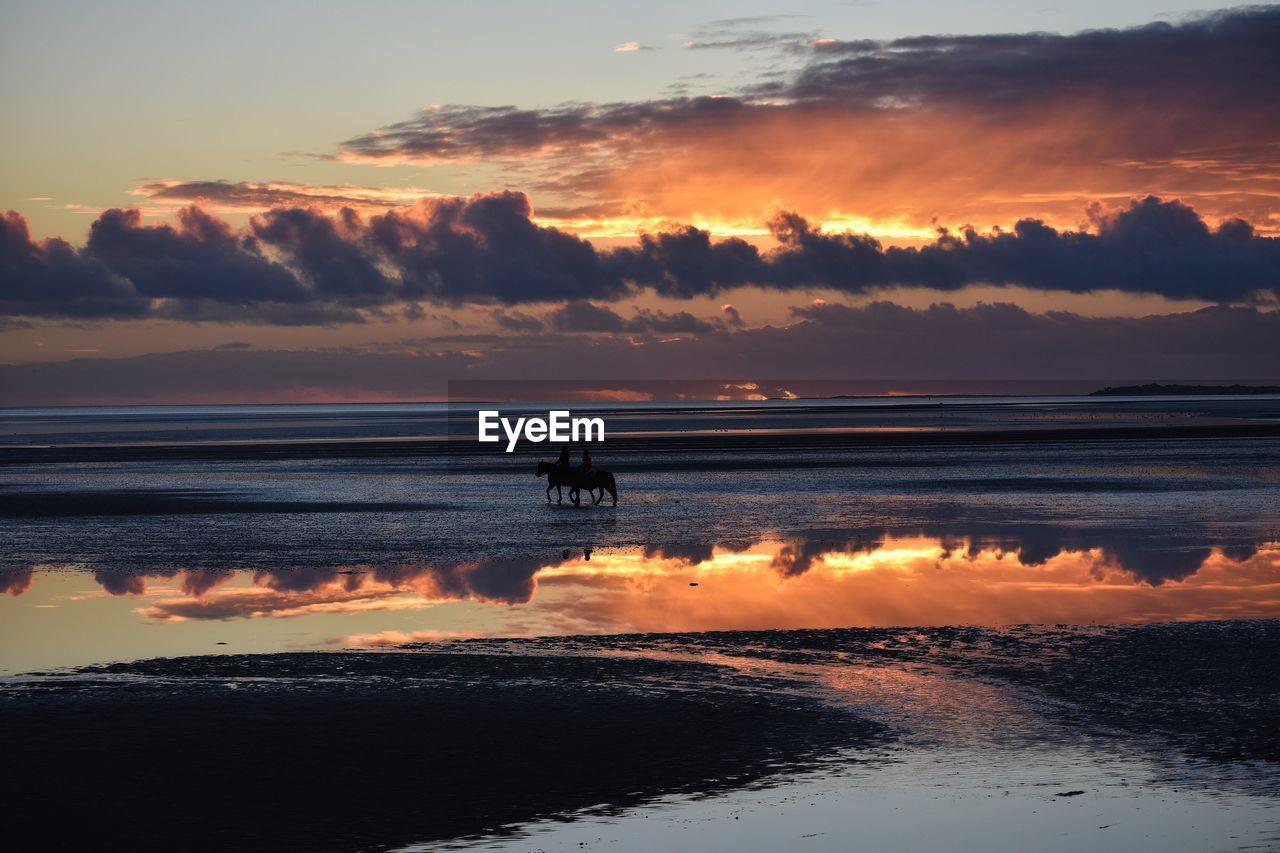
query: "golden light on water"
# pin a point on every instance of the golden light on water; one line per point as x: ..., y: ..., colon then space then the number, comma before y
x: 773, y: 584
x: 902, y: 582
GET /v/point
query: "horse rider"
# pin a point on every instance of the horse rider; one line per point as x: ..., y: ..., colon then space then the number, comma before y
x: 563, y: 461
x: 586, y: 460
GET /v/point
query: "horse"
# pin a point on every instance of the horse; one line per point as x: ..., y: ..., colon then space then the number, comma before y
x: 603, y: 480
x: 558, y: 476
x: 577, y: 479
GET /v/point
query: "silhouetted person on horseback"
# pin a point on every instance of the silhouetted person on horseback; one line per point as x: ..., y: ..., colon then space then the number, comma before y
x: 582, y: 477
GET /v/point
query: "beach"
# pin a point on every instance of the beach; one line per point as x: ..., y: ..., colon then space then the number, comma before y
x: 1039, y: 623
x: 1161, y: 734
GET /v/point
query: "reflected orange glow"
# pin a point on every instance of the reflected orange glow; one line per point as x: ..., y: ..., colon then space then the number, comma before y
x: 904, y: 582
x: 256, y: 602
x: 899, y: 581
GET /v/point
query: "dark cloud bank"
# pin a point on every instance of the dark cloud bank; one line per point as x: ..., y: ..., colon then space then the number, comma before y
x: 299, y: 266
x: 826, y: 341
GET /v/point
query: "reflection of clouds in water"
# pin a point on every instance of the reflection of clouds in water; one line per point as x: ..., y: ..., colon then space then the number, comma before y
x: 199, y: 581
x: 304, y: 591
x: 1152, y: 556
x: 126, y: 583
x: 818, y: 579
x: 252, y: 602
x: 916, y: 581
x: 16, y: 581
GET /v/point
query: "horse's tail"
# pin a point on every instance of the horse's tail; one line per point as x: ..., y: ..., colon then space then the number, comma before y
x: 606, y: 480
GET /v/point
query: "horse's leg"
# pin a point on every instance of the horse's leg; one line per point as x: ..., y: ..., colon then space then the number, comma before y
x: 548, y: 493
x: 596, y: 501
x: 559, y: 494
x: 575, y: 494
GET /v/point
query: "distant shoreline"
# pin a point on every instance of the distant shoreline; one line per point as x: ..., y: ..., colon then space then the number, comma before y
x: 1154, y: 389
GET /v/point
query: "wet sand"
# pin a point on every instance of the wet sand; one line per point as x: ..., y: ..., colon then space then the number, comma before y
x: 1120, y: 738
x: 344, y: 752
x: 958, y: 738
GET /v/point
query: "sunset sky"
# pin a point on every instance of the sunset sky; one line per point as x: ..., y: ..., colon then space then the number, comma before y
x: 313, y: 201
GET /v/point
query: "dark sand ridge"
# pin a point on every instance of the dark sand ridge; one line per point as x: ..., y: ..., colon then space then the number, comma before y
x: 362, y: 751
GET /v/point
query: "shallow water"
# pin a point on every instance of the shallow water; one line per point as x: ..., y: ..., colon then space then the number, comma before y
x: 229, y: 530
x: 922, y: 803
x: 985, y: 755
x: 130, y: 558
x: 1145, y: 737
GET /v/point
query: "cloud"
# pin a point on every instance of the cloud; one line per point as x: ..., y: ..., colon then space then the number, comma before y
x: 327, y: 254
x: 825, y: 341
x: 631, y: 47
x: 582, y: 316
x: 579, y: 316
x: 52, y: 278
x: 959, y: 128
x: 230, y: 196
x: 200, y: 259
x: 487, y: 248
x: 749, y: 34
x: 517, y: 321
x: 296, y: 266
x: 663, y: 323
x: 1150, y: 246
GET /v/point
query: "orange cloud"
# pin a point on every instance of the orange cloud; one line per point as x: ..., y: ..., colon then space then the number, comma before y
x: 894, y: 175
x: 888, y: 137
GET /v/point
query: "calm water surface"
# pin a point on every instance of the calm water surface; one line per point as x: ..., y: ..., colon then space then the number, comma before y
x: 332, y: 528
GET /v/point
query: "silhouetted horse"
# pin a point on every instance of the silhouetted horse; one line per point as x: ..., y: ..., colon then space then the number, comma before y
x: 577, y: 479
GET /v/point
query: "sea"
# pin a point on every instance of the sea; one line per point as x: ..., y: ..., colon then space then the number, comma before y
x: 1062, y: 611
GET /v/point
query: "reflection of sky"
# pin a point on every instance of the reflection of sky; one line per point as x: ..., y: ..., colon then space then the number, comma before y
x: 1003, y: 804
x: 58, y: 618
